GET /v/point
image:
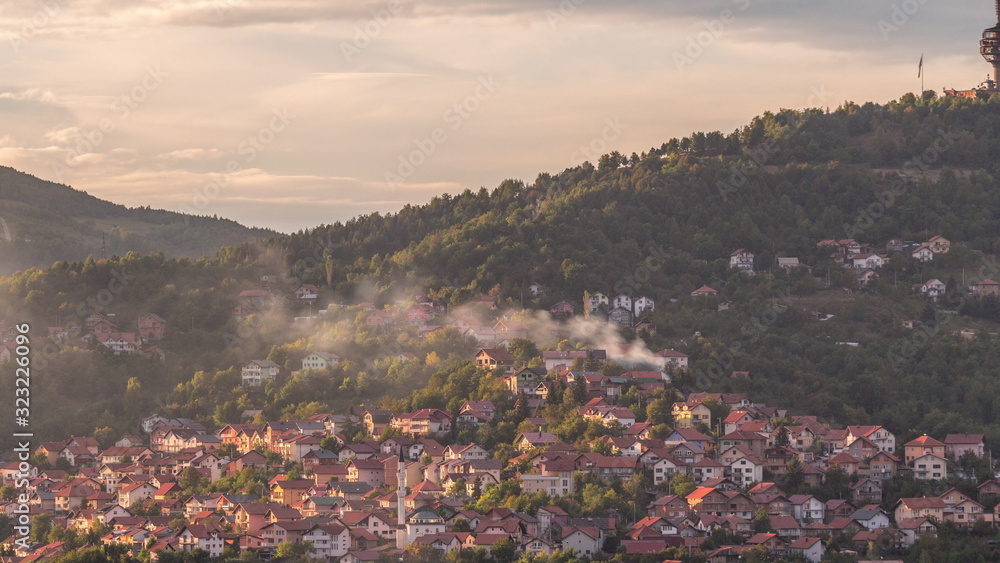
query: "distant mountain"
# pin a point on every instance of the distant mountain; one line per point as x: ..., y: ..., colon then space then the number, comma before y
x: 42, y: 222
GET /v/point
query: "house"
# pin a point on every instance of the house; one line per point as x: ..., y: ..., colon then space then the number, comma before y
x: 925, y: 507
x: 883, y: 465
x: 807, y: 509
x: 555, y: 358
x: 320, y: 360
x: 596, y: 300
x: 704, y: 291
x: 957, y: 445
x: 491, y: 359
x: 586, y: 540
x: 938, y: 245
x: 742, y: 260
x: 744, y: 466
x: 985, y: 288
x: 921, y: 446
x: 810, y: 548
x: 788, y: 264
x: 623, y: 301
x: 866, y: 277
x: 922, y: 253
x: 895, y: 244
x: 871, y: 518
x: 257, y: 372
x: 203, y: 537
x: 929, y: 466
x: 622, y: 317
x: 151, y: 327
x: 423, y: 522
x: 866, y: 491
x: 933, y: 289
x: 328, y: 540
x: 885, y: 440
x: 668, y: 360
x: 119, y: 342
x: 562, y: 311
x: 643, y: 305
x: 865, y: 261
x: 912, y: 529
x: 689, y: 415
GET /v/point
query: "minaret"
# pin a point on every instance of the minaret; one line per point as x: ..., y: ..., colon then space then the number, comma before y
x: 401, y: 500
x: 989, y: 47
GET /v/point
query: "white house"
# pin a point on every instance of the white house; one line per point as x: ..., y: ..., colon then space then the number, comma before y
x: 256, y: 372
x: 328, y: 540
x: 643, y: 305
x: 929, y: 467
x: 596, y: 300
x: 320, y: 360
x: 742, y: 260
x: 867, y: 261
x: 423, y: 522
x: 586, y: 540
x: 623, y: 301
x: 933, y: 289
x: 923, y: 253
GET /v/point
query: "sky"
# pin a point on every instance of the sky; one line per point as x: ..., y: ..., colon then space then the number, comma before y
x: 289, y: 114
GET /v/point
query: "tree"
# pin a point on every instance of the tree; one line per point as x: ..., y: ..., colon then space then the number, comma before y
x: 761, y: 521
x: 503, y: 550
x: 41, y: 525
x: 683, y: 485
x: 523, y: 350
x: 294, y: 552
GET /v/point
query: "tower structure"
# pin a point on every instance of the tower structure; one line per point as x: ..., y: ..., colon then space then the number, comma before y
x: 989, y: 46
x: 401, y: 499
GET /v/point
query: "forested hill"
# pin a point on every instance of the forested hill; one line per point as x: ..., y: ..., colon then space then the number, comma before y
x: 44, y: 222
x: 776, y: 186
x: 660, y: 224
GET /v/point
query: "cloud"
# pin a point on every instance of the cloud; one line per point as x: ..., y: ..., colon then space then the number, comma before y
x: 191, y: 154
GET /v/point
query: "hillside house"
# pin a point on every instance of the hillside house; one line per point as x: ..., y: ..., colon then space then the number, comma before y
x: 938, y: 245
x: 562, y: 311
x: 957, y: 445
x: 985, y: 288
x: 597, y: 300
x: 257, y: 372
x: 742, y: 260
x: 492, y: 359
x: 922, y: 446
x: 704, y: 291
x: 922, y: 253
x: 643, y: 305
x: 151, y: 327
x: 320, y: 360
x: 933, y: 289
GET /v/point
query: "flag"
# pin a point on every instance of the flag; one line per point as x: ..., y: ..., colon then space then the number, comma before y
x: 920, y: 67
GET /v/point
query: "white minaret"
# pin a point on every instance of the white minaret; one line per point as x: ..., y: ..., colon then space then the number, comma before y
x: 401, y: 501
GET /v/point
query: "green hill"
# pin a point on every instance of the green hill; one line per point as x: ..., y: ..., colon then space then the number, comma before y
x: 44, y: 222
x: 661, y: 223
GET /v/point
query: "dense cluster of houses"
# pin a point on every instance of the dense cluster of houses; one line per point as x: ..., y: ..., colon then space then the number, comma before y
x: 345, y: 498
x: 102, y: 329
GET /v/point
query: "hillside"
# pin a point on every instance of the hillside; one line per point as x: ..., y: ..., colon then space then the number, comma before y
x: 44, y: 222
x: 660, y: 224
